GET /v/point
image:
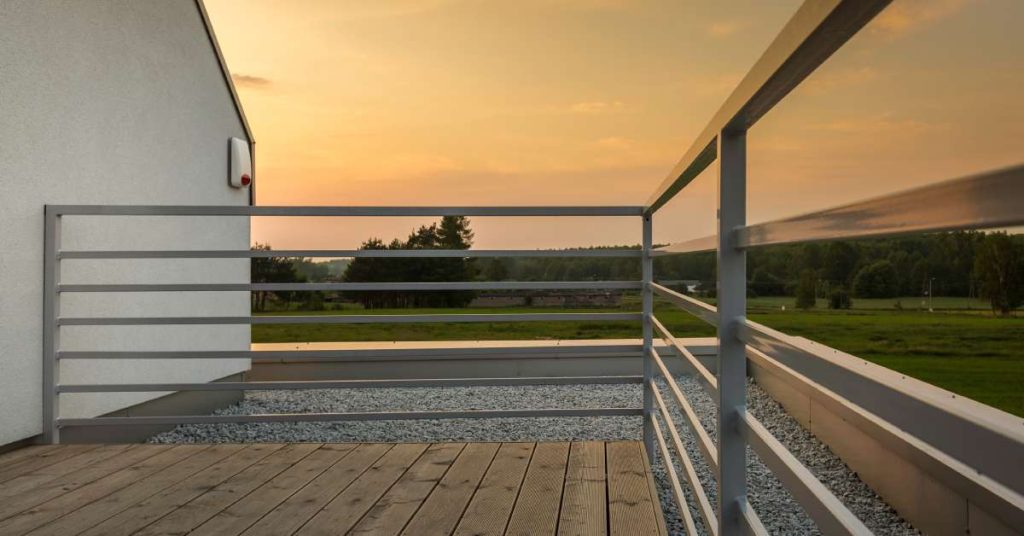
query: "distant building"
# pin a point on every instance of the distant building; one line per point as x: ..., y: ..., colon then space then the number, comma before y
x: 583, y: 298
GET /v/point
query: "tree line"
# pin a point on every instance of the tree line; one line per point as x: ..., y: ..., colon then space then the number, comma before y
x: 962, y: 263
x: 452, y: 232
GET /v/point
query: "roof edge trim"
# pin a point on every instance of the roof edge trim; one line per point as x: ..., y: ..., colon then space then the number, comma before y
x: 201, y: 6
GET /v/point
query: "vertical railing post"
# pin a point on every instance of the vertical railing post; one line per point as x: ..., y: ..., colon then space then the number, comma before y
x: 732, y: 305
x: 647, y: 276
x: 51, y: 332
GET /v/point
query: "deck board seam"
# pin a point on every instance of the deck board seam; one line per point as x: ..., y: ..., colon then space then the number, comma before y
x: 439, y: 479
x: 292, y: 494
x: 483, y: 475
x: 160, y: 489
x: 342, y: 490
x: 215, y: 486
x: 607, y: 492
x: 237, y: 499
x: 519, y: 491
x: 112, y: 491
x: 5, y: 517
x: 48, y: 458
x: 561, y: 497
x: 272, y: 477
x: 399, y: 479
x: 310, y: 481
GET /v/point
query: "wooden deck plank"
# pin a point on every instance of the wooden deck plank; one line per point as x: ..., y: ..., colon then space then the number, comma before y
x: 443, y: 509
x: 99, y: 487
x: 209, y: 504
x: 478, y: 489
x: 143, y: 513
x: 631, y: 509
x: 19, y: 453
x: 489, y: 510
x: 584, y: 500
x: 345, y: 510
x: 659, y: 514
x: 56, y: 487
x: 100, y: 510
x: 391, y: 513
x: 241, y: 515
x: 288, y: 516
x: 32, y: 482
x: 40, y: 460
x: 540, y: 499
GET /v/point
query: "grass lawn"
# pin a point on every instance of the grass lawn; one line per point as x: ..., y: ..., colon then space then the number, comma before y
x: 965, y: 351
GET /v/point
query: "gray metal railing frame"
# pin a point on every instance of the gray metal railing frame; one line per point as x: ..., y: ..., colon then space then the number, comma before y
x: 54, y: 321
x: 984, y: 201
x: 817, y: 29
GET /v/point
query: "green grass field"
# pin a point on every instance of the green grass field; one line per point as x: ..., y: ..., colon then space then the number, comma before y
x: 965, y: 351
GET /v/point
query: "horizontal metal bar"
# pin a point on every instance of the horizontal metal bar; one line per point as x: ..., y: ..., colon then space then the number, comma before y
x: 345, y: 384
x: 828, y: 512
x: 704, y: 311
x: 362, y: 416
x: 382, y: 286
x: 211, y: 210
x: 375, y: 354
x: 346, y: 319
x: 963, y: 478
x: 708, y: 379
x: 814, y: 33
x: 696, y: 245
x: 912, y: 417
x: 348, y: 253
x: 693, y: 163
x: 751, y: 522
x: 707, y: 448
x: 707, y: 512
x: 673, y: 478
x: 984, y: 201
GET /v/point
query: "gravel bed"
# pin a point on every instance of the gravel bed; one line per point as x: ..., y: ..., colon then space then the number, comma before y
x: 773, y: 503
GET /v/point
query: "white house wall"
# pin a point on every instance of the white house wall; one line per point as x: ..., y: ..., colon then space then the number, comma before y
x: 114, y: 102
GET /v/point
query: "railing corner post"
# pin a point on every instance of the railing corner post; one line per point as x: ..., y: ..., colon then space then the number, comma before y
x: 732, y: 305
x: 647, y: 277
x: 51, y: 331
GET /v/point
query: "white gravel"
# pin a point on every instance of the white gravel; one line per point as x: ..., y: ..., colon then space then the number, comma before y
x: 775, y: 506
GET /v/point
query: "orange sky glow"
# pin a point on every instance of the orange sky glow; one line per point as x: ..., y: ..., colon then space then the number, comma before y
x: 591, y: 102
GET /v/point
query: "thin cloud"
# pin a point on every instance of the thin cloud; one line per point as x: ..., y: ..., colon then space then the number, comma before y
x: 250, y: 81
x: 880, y: 123
x: 598, y: 5
x: 825, y: 82
x: 597, y: 107
x: 362, y: 10
x: 725, y: 28
x: 615, y: 142
x: 705, y: 85
x: 907, y: 15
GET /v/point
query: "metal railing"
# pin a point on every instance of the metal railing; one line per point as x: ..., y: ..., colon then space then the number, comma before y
x: 819, y: 28
x: 984, y: 201
x: 55, y: 321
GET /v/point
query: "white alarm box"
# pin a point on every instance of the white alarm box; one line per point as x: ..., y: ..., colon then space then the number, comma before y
x: 241, y: 163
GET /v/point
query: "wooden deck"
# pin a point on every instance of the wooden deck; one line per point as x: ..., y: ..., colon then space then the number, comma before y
x: 583, y: 488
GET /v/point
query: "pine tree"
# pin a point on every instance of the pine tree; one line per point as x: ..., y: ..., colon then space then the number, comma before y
x: 999, y: 267
x: 805, y: 297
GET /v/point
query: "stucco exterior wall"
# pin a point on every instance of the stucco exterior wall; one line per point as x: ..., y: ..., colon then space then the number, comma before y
x: 112, y: 102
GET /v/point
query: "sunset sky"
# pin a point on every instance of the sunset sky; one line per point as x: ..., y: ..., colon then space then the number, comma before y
x: 591, y: 102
